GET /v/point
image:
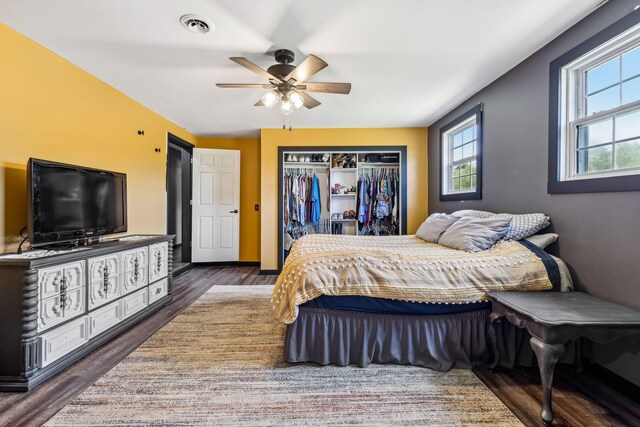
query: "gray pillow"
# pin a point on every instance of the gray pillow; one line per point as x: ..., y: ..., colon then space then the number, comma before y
x: 475, y: 234
x: 474, y: 213
x: 434, y: 226
x: 524, y: 225
x: 542, y: 240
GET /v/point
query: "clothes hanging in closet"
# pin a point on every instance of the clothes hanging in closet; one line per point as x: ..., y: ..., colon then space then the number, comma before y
x: 302, y: 203
x: 377, y: 204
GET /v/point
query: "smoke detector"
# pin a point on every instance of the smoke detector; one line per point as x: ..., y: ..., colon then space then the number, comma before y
x: 196, y: 24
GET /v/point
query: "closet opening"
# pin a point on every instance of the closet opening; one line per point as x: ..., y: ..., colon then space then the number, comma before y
x: 179, y: 182
x: 358, y: 191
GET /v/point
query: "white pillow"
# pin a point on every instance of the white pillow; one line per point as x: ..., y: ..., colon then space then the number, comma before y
x: 437, y: 223
x: 473, y: 213
x: 524, y: 225
x: 475, y: 234
x: 542, y: 240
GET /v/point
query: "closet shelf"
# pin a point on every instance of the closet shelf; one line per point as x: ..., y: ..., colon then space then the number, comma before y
x: 344, y: 169
x: 377, y: 164
x: 306, y: 165
x: 344, y: 195
x: 344, y: 220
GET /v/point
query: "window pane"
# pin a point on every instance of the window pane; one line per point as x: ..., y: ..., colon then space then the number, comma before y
x: 594, y: 159
x: 467, y: 135
x: 467, y: 149
x: 628, y: 126
x: 473, y: 166
x: 603, y: 75
x: 457, y: 139
x: 473, y: 182
x: 631, y: 90
x: 457, y: 154
x: 604, y: 100
x: 456, y: 184
x: 465, y: 169
x: 628, y: 154
x: 465, y: 183
x: 595, y: 134
x: 456, y: 171
x: 631, y: 63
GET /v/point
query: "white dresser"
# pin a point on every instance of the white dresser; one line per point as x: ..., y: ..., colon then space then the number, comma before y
x: 60, y: 305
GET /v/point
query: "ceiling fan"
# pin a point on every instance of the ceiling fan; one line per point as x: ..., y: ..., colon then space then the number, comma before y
x: 289, y: 82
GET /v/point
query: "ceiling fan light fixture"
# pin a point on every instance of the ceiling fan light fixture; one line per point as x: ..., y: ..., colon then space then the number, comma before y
x: 286, y: 107
x: 296, y: 99
x: 270, y: 99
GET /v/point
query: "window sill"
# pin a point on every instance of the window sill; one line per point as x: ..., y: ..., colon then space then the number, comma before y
x: 595, y: 185
x: 456, y: 197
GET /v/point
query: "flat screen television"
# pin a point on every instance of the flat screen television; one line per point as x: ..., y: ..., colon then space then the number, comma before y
x: 68, y: 202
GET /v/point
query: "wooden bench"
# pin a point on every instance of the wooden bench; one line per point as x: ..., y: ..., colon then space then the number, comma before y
x: 552, y: 319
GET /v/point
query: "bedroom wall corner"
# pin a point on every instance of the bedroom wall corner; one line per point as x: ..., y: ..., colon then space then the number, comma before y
x: 53, y: 110
x: 249, y: 190
x: 415, y: 139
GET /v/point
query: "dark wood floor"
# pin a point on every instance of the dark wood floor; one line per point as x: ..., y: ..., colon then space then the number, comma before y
x: 579, y: 400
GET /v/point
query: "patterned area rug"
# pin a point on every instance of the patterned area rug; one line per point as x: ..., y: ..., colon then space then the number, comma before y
x: 220, y: 363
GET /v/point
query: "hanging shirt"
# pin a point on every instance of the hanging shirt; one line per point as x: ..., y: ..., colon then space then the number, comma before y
x: 316, y: 205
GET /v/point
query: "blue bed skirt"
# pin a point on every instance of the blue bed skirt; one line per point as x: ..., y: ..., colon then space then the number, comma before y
x: 438, y: 341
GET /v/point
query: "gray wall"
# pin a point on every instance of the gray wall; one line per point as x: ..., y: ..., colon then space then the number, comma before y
x: 599, y: 232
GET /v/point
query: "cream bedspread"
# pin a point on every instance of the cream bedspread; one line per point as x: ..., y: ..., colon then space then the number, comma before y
x: 401, y: 267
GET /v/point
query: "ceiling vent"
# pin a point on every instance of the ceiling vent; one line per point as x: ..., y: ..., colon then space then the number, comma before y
x: 196, y: 24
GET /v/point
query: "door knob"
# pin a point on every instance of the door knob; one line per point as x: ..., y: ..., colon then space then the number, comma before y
x: 234, y: 211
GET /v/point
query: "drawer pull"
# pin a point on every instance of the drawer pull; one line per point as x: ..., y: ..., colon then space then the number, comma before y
x: 136, y: 270
x: 106, y: 286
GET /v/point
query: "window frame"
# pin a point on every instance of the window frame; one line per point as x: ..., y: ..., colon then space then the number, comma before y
x: 446, y: 168
x: 566, y: 90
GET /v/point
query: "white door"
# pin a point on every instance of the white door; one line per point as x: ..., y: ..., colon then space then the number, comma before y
x: 216, y: 205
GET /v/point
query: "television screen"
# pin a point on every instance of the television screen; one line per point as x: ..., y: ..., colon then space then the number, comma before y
x: 71, y: 202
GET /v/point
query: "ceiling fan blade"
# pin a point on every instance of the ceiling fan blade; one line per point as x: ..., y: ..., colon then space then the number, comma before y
x: 307, y: 68
x: 309, y: 101
x: 259, y: 103
x: 253, y: 67
x: 343, y: 88
x: 244, y: 86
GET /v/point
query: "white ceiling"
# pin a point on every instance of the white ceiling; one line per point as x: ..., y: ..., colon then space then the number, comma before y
x: 410, y: 61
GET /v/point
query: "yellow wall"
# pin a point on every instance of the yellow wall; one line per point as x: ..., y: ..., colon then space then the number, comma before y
x: 414, y: 138
x: 249, y: 190
x: 53, y: 110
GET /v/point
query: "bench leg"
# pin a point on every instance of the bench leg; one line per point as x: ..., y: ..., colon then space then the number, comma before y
x: 547, y: 355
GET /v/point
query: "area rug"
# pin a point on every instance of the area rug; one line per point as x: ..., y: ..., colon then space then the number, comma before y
x: 220, y: 363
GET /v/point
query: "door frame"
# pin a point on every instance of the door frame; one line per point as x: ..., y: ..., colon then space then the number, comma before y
x: 187, y: 185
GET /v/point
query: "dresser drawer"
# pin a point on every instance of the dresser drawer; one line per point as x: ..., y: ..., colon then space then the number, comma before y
x: 135, y: 302
x: 158, y: 261
x: 51, y: 279
x: 158, y: 290
x: 63, y: 340
x: 132, y: 280
x: 131, y: 258
x: 105, y: 318
x: 60, y: 308
x: 103, y: 267
x: 104, y: 291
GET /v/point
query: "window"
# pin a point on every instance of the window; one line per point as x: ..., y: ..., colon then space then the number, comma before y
x: 461, y: 160
x: 597, y: 113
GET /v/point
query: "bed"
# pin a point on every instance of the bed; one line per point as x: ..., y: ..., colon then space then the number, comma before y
x: 398, y: 299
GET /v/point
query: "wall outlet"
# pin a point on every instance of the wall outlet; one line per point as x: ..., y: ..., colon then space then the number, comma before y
x: 256, y: 207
